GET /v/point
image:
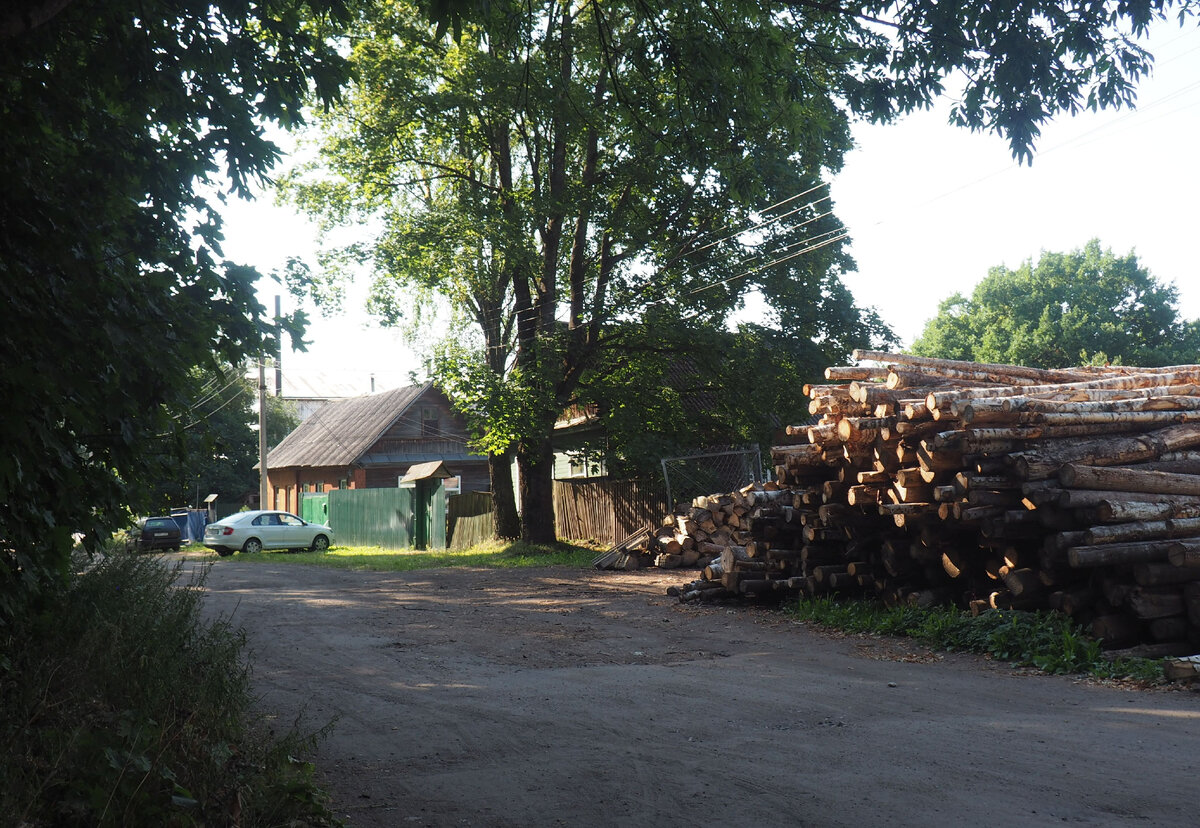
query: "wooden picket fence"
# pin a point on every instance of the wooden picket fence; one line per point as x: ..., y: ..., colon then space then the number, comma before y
x: 601, y: 510
x: 604, y: 510
x: 469, y: 519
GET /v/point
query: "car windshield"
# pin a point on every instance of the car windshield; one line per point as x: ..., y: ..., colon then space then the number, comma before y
x: 160, y: 523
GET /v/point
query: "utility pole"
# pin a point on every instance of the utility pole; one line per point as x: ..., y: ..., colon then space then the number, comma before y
x: 278, y: 349
x: 262, y: 433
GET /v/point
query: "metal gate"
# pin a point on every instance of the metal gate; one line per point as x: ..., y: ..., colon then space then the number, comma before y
x: 314, y: 507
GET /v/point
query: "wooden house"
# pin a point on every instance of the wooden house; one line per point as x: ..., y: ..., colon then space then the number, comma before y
x: 372, y: 442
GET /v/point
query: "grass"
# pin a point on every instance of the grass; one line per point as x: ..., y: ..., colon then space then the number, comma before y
x: 493, y: 554
x: 1049, y: 641
x: 123, y: 706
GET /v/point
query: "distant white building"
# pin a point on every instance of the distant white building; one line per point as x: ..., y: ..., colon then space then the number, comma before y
x: 310, y: 391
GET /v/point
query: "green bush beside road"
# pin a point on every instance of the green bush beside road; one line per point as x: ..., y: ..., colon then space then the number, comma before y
x: 122, y: 706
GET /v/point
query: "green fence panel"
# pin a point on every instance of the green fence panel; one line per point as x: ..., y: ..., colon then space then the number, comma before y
x: 469, y: 519
x: 372, y: 517
x: 314, y: 507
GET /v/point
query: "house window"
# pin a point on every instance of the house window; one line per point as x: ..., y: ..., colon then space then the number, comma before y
x: 579, y: 466
x: 430, y: 422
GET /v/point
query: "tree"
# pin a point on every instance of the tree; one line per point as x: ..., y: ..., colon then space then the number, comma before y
x: 1085, y: 306
x: 115, y: 119
x: 669, y: 391
x: 554, y: 168
x: 216, y: 449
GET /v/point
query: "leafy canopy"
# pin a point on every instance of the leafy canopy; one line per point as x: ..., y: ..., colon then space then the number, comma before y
x: 1085, y: 306
x: 574, y: 177
x: 216, y: 449
x: 115, y: 117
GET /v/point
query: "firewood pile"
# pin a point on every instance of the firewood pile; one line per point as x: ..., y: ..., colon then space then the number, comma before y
x: 931, y: 481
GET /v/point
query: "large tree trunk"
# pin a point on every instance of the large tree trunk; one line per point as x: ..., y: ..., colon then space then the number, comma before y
x: 504, y: 501
x: 535, y: 464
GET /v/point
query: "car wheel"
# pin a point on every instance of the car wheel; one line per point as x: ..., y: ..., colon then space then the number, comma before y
x: 224, y: 553
x: 320, y: 543
x: 252, y: 546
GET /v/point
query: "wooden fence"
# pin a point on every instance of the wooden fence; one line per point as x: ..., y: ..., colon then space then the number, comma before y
x: 469, y: 519
x: 606, y: 511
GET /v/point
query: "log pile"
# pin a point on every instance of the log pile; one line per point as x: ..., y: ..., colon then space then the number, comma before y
x: 936, y: 481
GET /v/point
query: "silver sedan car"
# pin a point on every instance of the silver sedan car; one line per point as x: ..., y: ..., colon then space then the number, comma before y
x: 259, y: 530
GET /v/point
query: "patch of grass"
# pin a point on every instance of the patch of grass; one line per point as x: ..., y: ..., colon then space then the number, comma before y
x: 122, y: 706
x: 1049, y: 641
x: 493, y: 554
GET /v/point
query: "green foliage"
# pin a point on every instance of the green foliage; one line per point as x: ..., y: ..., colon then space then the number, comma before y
x: 123, y: 707
x: 215, y: 448
x: 596, y: 161
x: 560, y: 171
x: 1082, y: 307
x: 1021, y: 62
x: 114, y: 118
x: 666, y: 389
x: 1049, y: 641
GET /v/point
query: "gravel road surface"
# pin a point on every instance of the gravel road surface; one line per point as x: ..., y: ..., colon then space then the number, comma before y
x: 558, y: 696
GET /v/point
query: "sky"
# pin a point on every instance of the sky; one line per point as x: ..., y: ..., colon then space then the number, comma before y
x: 929, y: 208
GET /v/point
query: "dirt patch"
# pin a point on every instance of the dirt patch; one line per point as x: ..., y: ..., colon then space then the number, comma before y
x: 566, y: 697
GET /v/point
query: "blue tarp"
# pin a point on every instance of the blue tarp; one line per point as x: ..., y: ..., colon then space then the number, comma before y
x: 191, y: 523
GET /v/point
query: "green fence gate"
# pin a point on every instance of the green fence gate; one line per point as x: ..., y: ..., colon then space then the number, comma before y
x: 314, y: 507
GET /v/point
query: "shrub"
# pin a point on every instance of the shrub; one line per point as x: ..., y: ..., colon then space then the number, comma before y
x: 124, y: 707
x: 1050, y: 641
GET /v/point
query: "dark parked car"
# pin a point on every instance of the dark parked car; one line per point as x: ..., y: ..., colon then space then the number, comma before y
x: 152, y: 533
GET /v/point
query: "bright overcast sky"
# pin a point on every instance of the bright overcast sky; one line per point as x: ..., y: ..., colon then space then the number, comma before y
x: 929, y: 208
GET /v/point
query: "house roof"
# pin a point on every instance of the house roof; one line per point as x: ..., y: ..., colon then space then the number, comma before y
x: 341, y: 432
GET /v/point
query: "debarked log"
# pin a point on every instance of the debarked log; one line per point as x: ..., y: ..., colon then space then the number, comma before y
x: 1143, y: 530
x: 1163, y: 574
x: 1083, y: 498
x: 1123, y: 479
x: 1156, y: 602
x: 1184, y: 553
x: 1114, y: 554
x: 1107, y: 451
x: 1112, y: 510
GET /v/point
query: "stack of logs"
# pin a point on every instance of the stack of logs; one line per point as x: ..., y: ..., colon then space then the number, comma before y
x: 991, y: 486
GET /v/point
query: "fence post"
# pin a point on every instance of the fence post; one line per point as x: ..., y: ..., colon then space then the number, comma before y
x: 667, y: 480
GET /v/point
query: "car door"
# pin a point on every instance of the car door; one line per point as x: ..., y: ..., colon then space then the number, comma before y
x: 266, y: 527
x: 293, y: 532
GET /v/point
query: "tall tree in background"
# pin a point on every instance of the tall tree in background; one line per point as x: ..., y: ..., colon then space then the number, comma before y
x: 113, y: 116
x: 553, y: 168
x: 215, y: 448
x: 559, y: 168
x: 1069, y: 308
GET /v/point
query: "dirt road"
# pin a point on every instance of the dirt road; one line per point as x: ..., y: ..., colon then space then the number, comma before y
x: 579, y: 698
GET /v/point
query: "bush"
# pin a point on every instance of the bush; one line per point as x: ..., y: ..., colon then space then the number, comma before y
x: 124, y: 707
x: 1050, y: 641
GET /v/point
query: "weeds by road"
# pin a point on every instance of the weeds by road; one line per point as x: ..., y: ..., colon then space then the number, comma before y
x: 1049, y: 641
x: 122, y: 707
